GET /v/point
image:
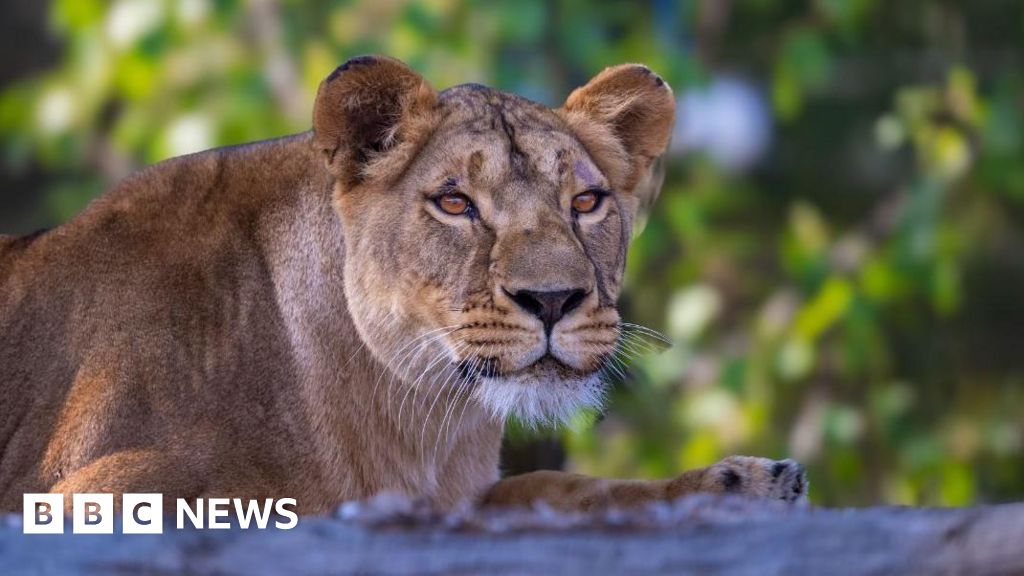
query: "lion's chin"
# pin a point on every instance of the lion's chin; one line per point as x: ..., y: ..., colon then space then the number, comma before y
x: 545, y: 393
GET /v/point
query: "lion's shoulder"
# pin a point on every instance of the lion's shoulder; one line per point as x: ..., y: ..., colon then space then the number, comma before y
x: 244, y: 175
x: 168, y: 222
x: 181, y: 199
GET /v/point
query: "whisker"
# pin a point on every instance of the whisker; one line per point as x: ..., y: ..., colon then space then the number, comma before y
x: 426, y: 419
x: 635, y: 348
x: 411, y: 354
x: 632, y: 349
x: 643, y: 342
x: 648, y: 331
x: 362, y: 343
x: 406, y: 349
x: 412, y: 388
x: 456, y: 388
x: 415, y: 384
x: 461, y: 388
x: 467, y: 399
x: 610, y: 364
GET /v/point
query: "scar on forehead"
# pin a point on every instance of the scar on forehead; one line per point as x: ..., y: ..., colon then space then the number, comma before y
x: 561, y: 162
x: 585, y: 173
x: 476, y: 164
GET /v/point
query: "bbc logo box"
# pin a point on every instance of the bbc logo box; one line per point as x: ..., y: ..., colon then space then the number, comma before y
x: 93, y: 514
x: 43, y: 514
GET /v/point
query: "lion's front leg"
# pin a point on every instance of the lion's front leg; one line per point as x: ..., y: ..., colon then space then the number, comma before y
x: 759, y: 477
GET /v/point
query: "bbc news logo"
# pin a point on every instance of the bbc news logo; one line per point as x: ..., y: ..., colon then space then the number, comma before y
x: 144, y: 513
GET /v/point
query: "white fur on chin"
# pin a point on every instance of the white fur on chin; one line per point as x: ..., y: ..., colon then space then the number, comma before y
x: 540, y: 399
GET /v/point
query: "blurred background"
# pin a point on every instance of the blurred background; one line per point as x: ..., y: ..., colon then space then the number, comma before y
x: 838, y: 252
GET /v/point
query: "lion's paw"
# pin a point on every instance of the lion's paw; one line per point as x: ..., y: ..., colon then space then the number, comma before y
x: 760, y: 477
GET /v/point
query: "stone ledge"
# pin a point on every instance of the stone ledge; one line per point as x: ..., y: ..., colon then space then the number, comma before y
x: 697, y: 535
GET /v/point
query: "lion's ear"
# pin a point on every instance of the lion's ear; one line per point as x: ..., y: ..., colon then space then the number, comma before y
x: 369, y: 114
x: 624, y: 116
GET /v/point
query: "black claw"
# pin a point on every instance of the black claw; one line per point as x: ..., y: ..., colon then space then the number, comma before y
x: 778, y: 468
x: 731, y: 480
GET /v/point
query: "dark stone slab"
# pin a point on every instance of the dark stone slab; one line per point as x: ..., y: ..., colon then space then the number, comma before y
x: 697, y: 535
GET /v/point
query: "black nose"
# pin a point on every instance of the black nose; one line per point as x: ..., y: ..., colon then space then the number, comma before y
x: 550, y: 307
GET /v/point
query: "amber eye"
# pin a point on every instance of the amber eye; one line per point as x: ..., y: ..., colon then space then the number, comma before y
x: 586, y: 202
x: 454, y: 204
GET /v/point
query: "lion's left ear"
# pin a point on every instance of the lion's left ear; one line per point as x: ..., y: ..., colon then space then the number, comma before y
x: 624, y: 117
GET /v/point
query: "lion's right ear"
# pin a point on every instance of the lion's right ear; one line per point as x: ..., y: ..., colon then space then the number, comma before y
x: 370, y: 115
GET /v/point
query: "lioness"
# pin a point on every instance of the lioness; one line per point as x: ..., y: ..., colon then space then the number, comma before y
x: 346, y: 311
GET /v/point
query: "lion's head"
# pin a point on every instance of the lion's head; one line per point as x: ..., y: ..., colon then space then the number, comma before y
x: 486, y: 234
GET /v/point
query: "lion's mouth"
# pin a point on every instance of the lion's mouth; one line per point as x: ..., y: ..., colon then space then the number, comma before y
x: 472, y: 369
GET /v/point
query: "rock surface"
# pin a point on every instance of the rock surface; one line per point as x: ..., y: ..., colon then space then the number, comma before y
x: 697, y: 535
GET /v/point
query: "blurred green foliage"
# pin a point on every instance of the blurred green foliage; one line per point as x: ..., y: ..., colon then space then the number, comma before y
x: 852, y: 300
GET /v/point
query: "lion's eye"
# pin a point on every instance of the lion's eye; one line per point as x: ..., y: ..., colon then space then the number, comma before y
x: 454, y: 203
x: 586, y: 202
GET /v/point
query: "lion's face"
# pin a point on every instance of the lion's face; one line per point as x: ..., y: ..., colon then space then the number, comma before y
x: 485, y: 250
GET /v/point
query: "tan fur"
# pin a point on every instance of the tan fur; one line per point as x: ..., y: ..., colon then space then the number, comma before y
x: 296, y: 318
x: 782, y: 480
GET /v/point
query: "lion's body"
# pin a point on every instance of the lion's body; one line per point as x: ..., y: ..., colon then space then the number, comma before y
x: 299, y: 318
x: 171, y: 317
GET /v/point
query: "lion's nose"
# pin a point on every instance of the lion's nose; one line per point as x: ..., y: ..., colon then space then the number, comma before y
x: 549, y: 306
